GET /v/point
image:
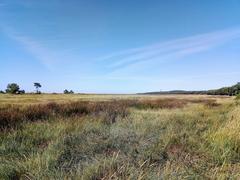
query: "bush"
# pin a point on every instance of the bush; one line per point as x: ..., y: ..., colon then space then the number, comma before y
x: 65, y: 91
x: 12, y: 88
x: 68, y: 92
x: 21, y: 92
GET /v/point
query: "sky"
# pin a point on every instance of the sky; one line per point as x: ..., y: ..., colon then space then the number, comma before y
x: 111, y: 46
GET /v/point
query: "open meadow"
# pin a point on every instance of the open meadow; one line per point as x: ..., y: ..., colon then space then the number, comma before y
x: 119, y: 90
x: 56, y: 136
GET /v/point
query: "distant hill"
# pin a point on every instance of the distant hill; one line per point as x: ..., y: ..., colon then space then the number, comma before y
x: 176, y: 92
x: 230, y: 91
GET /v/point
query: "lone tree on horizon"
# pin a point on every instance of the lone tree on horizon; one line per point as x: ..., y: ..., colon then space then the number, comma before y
x: 37, y: 86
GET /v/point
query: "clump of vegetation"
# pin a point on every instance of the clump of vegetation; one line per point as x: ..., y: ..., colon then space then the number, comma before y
x: 14, y: 88
x: 231, y: 91
x: 68, y: 92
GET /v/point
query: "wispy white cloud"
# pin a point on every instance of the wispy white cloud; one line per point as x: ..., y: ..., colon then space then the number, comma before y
x: 35, y: 48
x: 170, y: 49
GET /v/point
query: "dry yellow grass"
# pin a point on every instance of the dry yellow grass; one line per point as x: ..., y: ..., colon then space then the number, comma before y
x: 46, y: 98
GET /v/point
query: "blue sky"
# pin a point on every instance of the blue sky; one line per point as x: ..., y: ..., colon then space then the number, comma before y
x: 110, y: 46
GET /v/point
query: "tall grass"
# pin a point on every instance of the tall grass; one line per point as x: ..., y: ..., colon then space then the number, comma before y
x: 226, y: 140
x: 126, y: 139
x: 13, y: 116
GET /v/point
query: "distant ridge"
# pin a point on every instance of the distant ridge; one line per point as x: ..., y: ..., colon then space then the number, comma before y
x: 229, y: 91
x: 176, y: 92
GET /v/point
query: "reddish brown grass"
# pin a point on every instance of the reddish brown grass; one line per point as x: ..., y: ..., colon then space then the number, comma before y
x: 13, y: 116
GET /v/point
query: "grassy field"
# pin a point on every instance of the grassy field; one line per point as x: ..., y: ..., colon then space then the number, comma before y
x: 26, y: 99
x: 119, y: 137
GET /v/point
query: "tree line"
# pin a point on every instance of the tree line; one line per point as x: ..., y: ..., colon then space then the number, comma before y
x: 229, y: 91
x: 14, y: 88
